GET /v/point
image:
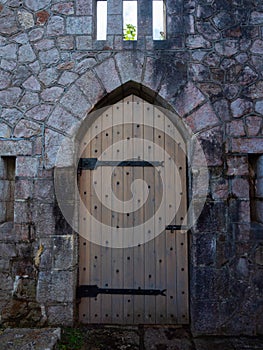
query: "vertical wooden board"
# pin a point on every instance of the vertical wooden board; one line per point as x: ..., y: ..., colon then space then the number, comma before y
x: 128, y: 300
x: 182, y: 278
x: 181, y: 165
x: 117, y: 219
x: 96, y: 207
x: 170, y: 198
x: 149, y: 212
x: 160, y: 220
x: 106, y: 256
x: 84, y: 245
x: 139, y: 258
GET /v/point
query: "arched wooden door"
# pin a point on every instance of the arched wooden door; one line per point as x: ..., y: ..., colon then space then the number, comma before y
x: 133, y: 266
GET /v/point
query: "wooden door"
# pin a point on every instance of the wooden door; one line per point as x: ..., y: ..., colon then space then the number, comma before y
x: 133, y: 269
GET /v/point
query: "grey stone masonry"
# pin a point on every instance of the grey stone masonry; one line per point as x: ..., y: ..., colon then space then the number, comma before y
x: 209, y: 71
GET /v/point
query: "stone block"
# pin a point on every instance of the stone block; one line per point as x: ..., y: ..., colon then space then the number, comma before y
x: 39, y: 112
x: 197, y: 42
x: 49, y: 57
x: 63, y: 252
x: 130, y: 66
x: 110, y: 81
x: 241, y: 107
x: 26, y: 19
x: 213, y: 216
x: 23, y: 189
x: 36, y: 34
x: 240, y: 188
x: 253, y: 125
x: 62, y: 314
x: 221, y: 108
x: 8, y: 23
x: 55, y: 26
x: 204, y: 249
x: 235, y: 128
x: 5, y: 131
x: 36, y: 5
x: 26, y: 54
x: 44, y: 190
x: 67, y: 78
x: 85, y: 82
x: 247, y: 76
x: 84, y: 7
x: 15, y: 148
x: 22, y: 212
x: 65, y: 42
x: 247, y: 145
x: 162, y: 338
x: 42, y: 17
x: 62, y: 120
x: 52, y: 94
x: 5, y: 79
x: 211, y: 142
x: 10, y: 96
x: 43, y: 219
x: 84, y: 42
x: 64, y: 8
x: 27, y: 129
x: 228, y: 47
x: 239, y: 211
x: 237, y: 165
x: 56, y: 286
x: 79, y: 25
x: 188, y: 99
x: 27, y: 166
x: 75, y: 102
x: 202, y: 118
x: 205, y: 316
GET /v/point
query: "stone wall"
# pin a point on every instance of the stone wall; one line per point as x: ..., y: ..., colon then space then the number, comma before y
x: 209, y: 71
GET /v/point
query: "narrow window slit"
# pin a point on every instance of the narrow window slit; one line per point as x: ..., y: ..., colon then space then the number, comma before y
x: 129, y: 20
x: 101, y: 20
x: 159, y: 20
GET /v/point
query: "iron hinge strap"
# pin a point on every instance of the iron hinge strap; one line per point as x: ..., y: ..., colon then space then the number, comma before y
x: 93, y: 163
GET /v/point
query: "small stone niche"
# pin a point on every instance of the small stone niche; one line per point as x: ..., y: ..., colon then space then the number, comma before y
x: 7, y: 188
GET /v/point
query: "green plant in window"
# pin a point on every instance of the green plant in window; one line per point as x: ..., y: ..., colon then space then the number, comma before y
x: 129, y: 32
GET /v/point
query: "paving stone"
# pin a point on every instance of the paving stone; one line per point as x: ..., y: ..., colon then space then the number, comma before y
x: 166, y: 338
x: 29, y: 338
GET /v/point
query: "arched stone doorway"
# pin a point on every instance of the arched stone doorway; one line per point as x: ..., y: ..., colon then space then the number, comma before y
x: 133, y: 265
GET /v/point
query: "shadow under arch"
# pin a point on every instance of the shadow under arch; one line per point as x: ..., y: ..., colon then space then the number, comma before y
x: 133, y: 88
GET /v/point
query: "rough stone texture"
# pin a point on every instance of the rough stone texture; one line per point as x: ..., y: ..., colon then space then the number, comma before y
x: 209, y: 71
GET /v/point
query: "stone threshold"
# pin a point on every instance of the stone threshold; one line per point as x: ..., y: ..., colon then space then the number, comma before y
x: 29, y: 338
